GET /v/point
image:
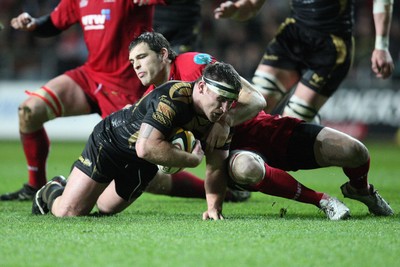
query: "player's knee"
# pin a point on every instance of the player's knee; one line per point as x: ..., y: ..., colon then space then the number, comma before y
x: 161, y: 184
x: 358, y: 153
x: 45, y: 102
x: 29, y: 113
x: 246, y: 167
x: 298, y: 108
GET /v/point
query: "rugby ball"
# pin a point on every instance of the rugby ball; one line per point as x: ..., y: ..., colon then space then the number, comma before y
x: 183, y: 140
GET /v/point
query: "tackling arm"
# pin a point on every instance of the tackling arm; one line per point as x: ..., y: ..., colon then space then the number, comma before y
x: 382, y: 62
x: 249, y: 104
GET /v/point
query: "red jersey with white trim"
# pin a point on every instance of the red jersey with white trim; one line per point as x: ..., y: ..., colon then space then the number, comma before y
x: 108, y: 28
x: 188, y: 67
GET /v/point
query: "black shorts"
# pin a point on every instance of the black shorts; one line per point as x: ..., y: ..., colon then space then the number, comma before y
x: 322, y: 60
x: 180, y: 24
x: 300, y: 153
x: 102, y: 162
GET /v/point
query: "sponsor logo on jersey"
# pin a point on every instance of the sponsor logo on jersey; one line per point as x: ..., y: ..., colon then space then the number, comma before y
x: 85, y: 161
x: 202, y: 59
x: 270, y: 57
x: 83, y: 3
x: 96, y: 21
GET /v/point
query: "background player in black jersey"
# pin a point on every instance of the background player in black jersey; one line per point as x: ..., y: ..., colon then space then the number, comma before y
x: 312, y: 52
x: 122, y: 153
x: 179, y: 21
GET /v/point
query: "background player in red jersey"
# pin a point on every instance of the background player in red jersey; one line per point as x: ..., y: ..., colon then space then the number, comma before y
x: 287, y: 143
x: 312, y: 51
x: 104, y: 84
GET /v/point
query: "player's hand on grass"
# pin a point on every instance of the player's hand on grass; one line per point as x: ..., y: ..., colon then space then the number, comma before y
x: 212, y: 214
x: 382, y: 63
x: 23, y: 22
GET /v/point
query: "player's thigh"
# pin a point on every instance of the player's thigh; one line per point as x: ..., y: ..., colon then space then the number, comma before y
x: 70, y: 94
x: 286, y: 77
x: 79, y: 196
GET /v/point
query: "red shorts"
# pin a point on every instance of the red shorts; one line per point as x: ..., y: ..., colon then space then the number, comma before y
x: 105, y: 100
x: 279, y: 140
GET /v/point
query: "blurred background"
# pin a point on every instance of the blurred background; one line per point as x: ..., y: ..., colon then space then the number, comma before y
x: 364, y: 106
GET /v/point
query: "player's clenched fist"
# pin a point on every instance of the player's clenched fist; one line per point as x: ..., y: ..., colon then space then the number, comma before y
x: 24, y: 22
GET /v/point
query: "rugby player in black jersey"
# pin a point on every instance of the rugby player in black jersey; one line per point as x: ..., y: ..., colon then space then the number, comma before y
x: 124, y: 149
x: 312, y: 52
x: 179, y: 21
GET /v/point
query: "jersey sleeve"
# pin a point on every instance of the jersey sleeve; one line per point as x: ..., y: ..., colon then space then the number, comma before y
x: 65, y: 14
x: 189, y: 66
x: 171, y: 108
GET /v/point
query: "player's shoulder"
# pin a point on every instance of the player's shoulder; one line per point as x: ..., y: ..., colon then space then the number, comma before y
x: 195, y: 58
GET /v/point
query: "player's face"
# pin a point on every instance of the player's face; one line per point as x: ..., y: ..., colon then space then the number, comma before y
x: 215, y: 105
x: 148, y: 65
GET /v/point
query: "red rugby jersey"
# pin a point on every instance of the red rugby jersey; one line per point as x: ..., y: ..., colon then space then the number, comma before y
x: 108, y: 28
x: 188, y: 67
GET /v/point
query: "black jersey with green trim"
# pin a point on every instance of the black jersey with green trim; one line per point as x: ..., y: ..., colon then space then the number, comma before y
x: 327, y: 16
x: 166, y: 108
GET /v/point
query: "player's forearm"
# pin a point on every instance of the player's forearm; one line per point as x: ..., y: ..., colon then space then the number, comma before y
x: 45, y: 27
x: 215, y: 187
x: 163, y: 153
x: 382, y: 12
x: 250, y: 103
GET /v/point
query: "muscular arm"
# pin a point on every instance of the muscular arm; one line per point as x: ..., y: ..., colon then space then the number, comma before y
x: 382, y: 62
x: 215, y: 184
x: 152, y: 146
x: 240, y: 10
x: 249, y: 104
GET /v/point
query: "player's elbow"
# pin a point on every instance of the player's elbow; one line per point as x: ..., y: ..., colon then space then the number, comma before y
x: 260, y: 102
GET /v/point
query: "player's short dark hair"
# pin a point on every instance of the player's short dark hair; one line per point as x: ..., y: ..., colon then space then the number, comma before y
x: 156, y: 42
x: 223, y: 72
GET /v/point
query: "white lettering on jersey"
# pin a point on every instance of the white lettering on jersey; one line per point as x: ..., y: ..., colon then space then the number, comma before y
x: 96, y: 21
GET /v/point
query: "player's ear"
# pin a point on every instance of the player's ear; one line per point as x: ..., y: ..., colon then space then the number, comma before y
x: 164, y: 53
x: 202, y: 86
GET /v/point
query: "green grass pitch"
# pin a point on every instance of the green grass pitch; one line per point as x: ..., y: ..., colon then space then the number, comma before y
x: 165, y: 231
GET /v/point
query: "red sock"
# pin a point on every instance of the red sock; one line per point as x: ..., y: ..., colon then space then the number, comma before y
x: 185, y: 184
x: 279, y: 183
x: 36, y: 148
x: 358, y: 176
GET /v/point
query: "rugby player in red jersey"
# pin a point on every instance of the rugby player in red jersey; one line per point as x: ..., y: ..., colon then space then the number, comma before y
x: 104, y: 84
